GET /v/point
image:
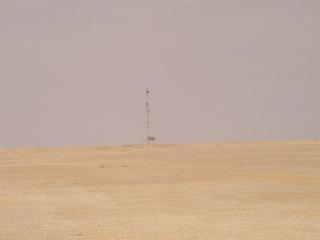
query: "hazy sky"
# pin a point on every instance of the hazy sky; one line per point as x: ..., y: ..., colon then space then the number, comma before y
x: 73, y: 72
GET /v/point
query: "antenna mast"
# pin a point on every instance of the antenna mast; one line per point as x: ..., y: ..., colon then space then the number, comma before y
x: 148, y: 139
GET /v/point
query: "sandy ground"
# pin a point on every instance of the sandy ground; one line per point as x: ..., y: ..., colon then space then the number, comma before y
x: 165, y: 192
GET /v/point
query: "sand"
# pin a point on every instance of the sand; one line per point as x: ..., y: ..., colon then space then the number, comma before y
x: 265, y: 190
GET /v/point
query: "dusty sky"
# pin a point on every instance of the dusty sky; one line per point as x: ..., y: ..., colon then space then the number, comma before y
x: 74, y: 72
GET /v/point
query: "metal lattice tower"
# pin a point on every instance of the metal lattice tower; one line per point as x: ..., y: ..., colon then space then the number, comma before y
x: 148, y: 138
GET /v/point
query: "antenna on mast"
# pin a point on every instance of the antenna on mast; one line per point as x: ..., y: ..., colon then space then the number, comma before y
x: 148, y: 139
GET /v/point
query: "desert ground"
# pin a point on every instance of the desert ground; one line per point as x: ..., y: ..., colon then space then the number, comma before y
x: 251, y: 191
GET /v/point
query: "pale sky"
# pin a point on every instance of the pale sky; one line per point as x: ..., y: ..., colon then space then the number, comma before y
x: 73, y: 72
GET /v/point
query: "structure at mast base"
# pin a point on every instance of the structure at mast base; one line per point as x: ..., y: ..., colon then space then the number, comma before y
x: 150, y: 140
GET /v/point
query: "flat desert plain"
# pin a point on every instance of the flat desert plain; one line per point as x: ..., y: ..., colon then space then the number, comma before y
x: 251, y: 191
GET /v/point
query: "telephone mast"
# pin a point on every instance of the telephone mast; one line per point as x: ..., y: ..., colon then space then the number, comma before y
x: 148, y: 138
